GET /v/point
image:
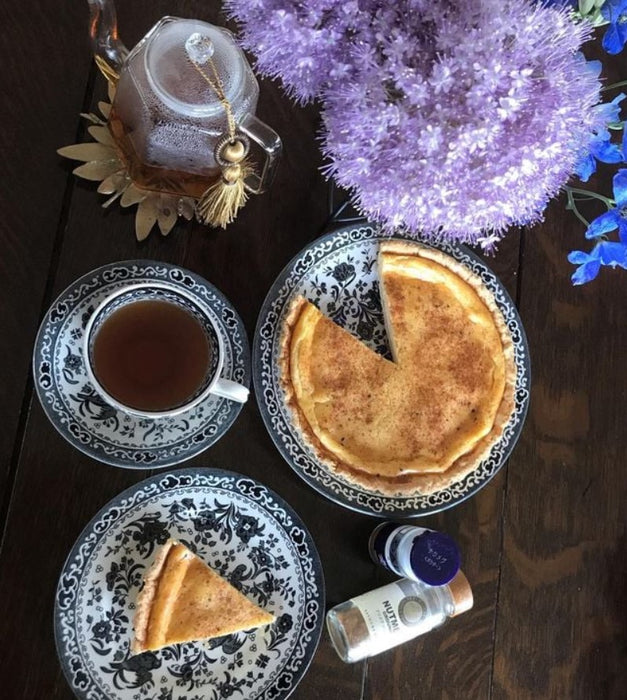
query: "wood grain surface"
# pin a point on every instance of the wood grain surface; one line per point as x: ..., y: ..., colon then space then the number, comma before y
x: 544, y: 544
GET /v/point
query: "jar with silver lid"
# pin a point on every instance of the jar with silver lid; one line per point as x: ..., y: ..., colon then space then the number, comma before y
x: 388, y: 616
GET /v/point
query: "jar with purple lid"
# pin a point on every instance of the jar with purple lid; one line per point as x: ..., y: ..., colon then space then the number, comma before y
x: 415, y: 552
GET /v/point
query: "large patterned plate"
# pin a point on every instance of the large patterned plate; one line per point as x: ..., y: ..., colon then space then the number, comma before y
x: 245, y: 532
x: 83, y: 417
x: 338, y: 273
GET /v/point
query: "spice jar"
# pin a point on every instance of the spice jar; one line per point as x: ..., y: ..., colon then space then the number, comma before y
x: 415, y: 552
x: 388, y: 616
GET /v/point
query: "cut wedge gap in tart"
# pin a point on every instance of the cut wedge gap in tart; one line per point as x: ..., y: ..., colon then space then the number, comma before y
x: 425, y: 420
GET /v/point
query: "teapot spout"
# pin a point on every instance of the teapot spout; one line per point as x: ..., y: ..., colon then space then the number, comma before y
x: 109, y: 52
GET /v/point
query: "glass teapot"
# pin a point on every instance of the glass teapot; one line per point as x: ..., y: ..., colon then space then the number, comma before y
x: 166, y: 119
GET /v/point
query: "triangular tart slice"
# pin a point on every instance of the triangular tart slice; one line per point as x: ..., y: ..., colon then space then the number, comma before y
x: 183, y: 600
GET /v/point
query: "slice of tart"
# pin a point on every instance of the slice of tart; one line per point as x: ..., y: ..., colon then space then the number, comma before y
x: 183, y: 600
x: 426, y: 419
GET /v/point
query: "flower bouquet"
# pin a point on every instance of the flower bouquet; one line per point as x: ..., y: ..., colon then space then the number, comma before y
x: 456, y: 119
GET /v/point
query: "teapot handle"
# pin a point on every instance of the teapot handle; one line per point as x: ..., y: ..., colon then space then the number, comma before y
x: 270, y: 142
x: 109, y: 52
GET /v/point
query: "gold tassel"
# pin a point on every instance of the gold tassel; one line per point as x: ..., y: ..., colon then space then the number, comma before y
x: 219, y: 205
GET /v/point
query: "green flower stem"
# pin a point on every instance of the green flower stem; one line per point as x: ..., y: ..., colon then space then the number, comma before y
x: 581, y: 218
x: 573, y: 207
x: 622, y: 83
x: 609, y: 203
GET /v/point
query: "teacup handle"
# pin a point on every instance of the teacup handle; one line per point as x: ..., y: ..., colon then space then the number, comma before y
x: 270, y: 142
x: 230, y: 390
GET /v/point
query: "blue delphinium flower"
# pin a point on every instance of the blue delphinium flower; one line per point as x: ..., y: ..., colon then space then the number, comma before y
x: 604, y: 253
x: 616, y: 217
x: 610, y: 111
x: 589, y: 266
x: 601, y: 146
x: 615, y: 12
x: 611, y: 253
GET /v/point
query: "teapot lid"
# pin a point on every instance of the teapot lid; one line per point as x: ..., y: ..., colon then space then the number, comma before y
x: 174, y: 78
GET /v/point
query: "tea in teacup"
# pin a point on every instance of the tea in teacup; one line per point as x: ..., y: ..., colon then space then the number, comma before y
x: 151, y: 355
x: 155, y: 350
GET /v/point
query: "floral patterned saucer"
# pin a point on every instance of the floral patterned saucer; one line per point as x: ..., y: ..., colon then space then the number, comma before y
x: 338, y: 273
x: 85, y: 419
x: 248, y: 534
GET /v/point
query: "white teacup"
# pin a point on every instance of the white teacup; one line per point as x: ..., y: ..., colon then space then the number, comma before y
x: 211, y: 381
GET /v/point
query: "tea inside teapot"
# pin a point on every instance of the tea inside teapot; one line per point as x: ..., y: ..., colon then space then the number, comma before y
x: 166, y: 118
x: 183, y: 116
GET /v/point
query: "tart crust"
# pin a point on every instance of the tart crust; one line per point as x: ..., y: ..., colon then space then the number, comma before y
x: 424, y: 421
x: 183, y: 600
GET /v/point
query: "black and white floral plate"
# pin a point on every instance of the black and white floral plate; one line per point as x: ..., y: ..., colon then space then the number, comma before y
x: 248, y: 534
x: 338, y: 273
x: 85, y: 419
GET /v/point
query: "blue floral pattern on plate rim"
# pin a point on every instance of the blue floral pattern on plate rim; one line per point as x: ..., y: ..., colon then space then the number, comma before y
x: 248, y: 534
x: 338, y: 273
x: 85, y: 419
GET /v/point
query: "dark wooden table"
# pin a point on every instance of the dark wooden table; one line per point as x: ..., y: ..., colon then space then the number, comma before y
x: 544, y: 544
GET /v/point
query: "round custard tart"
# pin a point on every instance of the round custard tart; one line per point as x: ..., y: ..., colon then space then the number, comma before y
x: 425, y: 420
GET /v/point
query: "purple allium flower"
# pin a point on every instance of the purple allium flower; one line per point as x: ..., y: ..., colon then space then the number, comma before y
x: 458, y: 119
x: 305, y: 45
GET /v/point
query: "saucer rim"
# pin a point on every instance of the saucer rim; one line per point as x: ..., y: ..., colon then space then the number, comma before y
x: 195, y: 450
